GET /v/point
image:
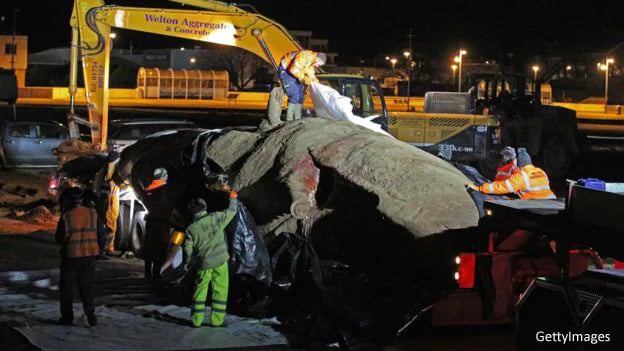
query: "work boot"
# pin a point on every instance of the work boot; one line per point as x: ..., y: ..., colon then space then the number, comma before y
x: 102, y: 256
x: 92, y: 319
x: 298, y: 109
x: 290, y: 111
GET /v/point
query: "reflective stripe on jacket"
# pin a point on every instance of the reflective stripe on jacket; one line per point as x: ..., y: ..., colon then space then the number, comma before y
x: 531, y: 183
x: 301, y: 65
x: 506, y: 171
x: 81, y: 232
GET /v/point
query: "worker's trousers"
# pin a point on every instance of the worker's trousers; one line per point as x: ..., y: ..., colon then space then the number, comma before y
x: 155, y: 249
x: 219, y: 280
x: 112, y: 212
x: 80, y: 272
x: 292, y: 87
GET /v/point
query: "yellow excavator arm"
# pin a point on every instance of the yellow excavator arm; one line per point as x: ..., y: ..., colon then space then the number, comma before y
x: 217, y: 23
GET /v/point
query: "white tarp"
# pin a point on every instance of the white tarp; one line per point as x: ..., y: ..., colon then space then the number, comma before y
x: 328, y: 103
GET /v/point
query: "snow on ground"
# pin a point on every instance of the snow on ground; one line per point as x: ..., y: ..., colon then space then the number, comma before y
x: 28, y: 301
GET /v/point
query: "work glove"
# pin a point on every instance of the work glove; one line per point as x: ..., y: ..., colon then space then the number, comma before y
x: 472, y: 186
x: 308, y: 80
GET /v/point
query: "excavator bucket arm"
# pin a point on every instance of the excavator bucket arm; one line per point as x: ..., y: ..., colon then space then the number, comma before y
x: 221, y: 24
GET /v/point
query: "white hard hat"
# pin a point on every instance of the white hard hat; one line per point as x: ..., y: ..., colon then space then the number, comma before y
x: 161, y: 173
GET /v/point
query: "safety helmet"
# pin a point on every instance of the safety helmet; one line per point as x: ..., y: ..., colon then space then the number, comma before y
x: 160, y: 174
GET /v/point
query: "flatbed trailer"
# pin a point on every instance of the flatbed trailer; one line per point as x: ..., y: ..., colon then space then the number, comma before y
x: 521, y: 240
x: 509, y: 253
x: 587, y: 309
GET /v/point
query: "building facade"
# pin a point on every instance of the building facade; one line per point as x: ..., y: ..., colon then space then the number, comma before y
x: 14, y: 56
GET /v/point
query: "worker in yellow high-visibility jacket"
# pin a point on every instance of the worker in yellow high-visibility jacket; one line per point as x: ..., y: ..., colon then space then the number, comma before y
x: 205, y: 239
x: 531, y: 183
x: 112, y: 206
x: 296, y: 70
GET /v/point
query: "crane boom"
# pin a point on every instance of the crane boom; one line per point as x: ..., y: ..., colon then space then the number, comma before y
x: 223, y: 24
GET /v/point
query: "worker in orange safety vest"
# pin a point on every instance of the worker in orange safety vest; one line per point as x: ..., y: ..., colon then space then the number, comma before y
x: 508, y: 166
x: 531, y: 183
x: 295, y: 69
x: 77, y: 233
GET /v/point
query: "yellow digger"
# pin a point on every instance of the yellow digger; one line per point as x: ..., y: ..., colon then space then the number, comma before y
x: 216, y: 22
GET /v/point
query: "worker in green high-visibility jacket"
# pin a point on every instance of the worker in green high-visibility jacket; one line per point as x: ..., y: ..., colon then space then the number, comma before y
x: 205, y: 238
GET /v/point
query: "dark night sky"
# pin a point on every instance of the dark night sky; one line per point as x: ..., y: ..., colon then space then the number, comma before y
x: 487, y: 29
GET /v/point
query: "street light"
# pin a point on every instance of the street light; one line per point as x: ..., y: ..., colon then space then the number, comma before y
x: 192, y: 60
x: 605, y: 67
x: 393, y: 61
x: 409, y: 76
x: 458, y: 59
x: 535, y: 69
x: 454, y: 68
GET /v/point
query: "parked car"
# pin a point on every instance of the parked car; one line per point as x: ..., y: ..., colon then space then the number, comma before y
x: 30, y: 143
x: 123, y: 133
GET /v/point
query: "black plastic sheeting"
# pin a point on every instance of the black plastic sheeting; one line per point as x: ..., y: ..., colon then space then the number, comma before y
x: 292, y: 256
x: 84, y: 167
x: 323, y: 301
x: 248, y: 254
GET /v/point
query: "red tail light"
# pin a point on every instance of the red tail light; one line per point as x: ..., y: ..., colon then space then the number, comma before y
x: 53, y: 184
x: 466, y: 270
x: 618, y: 265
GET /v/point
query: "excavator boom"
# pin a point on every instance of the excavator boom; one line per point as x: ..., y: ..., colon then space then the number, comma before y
x: 221, y: 23
x: 243, y: 30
